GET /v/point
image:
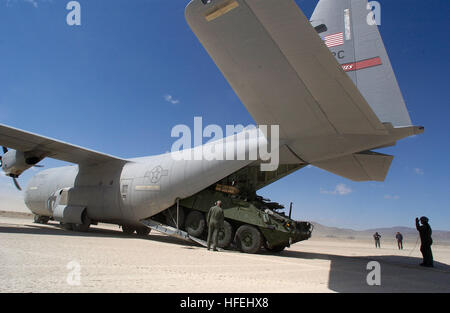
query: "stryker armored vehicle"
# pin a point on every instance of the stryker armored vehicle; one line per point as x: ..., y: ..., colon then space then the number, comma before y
x: 251, y: 222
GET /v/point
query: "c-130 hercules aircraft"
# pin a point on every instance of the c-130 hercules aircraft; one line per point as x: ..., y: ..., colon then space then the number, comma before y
x: 327, y: 82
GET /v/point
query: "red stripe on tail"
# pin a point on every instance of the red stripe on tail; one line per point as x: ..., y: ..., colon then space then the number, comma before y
x: 361, y: 64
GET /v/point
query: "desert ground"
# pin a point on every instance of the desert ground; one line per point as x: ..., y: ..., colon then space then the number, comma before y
x: 38, y: 258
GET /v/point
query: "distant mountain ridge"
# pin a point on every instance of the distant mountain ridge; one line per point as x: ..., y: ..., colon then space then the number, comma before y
x: 385, y: 232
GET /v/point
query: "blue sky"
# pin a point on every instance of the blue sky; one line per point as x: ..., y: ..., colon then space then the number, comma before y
x: 104, y: 85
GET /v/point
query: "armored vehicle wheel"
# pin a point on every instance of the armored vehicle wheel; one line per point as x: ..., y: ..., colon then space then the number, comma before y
x: 225, y: 235
x: 171, y: 217
x: 128, y: 230
x: 248, y: 239
x: 143, y: 231
x: 195, y: 223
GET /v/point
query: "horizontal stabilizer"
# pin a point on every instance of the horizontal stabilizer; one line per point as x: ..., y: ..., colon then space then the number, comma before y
x: 364, y: 166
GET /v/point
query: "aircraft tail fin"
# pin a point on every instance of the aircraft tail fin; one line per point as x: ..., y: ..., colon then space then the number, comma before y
x: 349, y: 30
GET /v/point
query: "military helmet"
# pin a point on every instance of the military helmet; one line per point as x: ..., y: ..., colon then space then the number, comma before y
x: 424, y: 219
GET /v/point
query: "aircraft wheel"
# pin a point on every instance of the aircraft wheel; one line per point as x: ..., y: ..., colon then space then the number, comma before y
x: 143, y: 231
x: 81, y: 227
x: 248, y: 239
x: 66, y: 226
x: 225, y: 235
x: 195, y: 223
x: 41, y: 219
x: 85, y: 226
x: 128, y: 230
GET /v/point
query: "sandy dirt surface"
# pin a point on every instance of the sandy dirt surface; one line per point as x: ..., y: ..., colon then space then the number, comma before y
x: 35, y: 258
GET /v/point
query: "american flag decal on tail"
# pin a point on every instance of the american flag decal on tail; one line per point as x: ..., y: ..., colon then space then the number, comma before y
x: 334, y: 40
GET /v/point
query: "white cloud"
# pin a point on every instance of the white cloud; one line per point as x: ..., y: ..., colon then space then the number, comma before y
x: 392, y: 197
x: 341, y: 190
x: 32, y: 2
x: 170, y: 99
x: 419, y: 171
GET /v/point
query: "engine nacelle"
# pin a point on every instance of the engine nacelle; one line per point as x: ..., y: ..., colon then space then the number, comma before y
x: 15, y: 162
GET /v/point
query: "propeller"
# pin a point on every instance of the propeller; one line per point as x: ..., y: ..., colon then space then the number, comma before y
x: 16, y: 183
x: 4, y: 151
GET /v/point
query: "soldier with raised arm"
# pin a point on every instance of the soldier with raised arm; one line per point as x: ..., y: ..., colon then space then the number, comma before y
x: 425, y: 240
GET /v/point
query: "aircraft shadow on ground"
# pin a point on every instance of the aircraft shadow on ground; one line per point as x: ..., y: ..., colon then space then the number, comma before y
x: 55, y: 229
x: 398, y: 273
x: 346, y: 274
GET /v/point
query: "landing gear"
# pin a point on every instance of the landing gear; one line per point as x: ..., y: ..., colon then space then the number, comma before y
x: 41, y: 219
x: 195, y: 223
x: 128, y: 230
x: 81, y: 227
x: 248, y: 239
x: 225, y: 235
x: 140, y: 230
x: 84, y: 227
x: 66, y: 226
x: 143, y: 231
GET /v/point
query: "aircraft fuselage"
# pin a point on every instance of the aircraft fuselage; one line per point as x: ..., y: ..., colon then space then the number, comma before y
x: 126, y: 193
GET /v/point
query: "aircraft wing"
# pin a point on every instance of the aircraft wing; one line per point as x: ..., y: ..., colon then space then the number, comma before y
x: 42, y: 147
x: 285, y: 75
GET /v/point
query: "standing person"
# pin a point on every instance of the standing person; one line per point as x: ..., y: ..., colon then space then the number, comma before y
x: 399, y: 238
x: 215, y: 220
x: 425, y: 241
x: 377, y: 237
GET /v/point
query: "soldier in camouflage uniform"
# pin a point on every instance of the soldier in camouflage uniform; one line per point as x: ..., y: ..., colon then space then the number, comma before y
x: 215, y: 220
x: 377, y: 237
